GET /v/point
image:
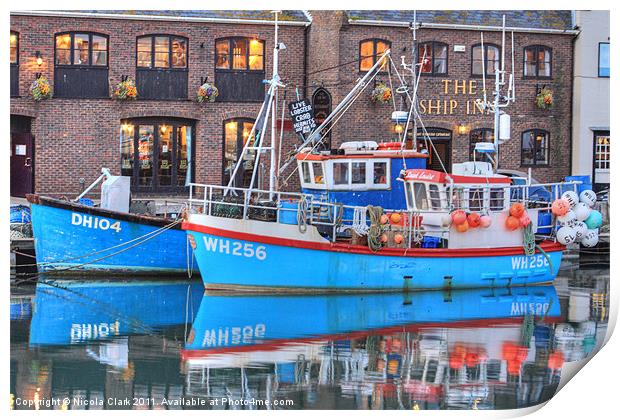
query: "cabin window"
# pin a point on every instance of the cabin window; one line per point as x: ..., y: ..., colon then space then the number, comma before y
x: 408, y: 188
x: 305, y: 170
x: 476, y: 199
x: 358, y: 173
x: 435, y: 196
x: 433, y: 56
x: 379, y: 173
x: 317, y: 168
x: 496, y: 200
x: 537, y: 62
x: 490, y: 60
x: 341, y: 173
x: 81, y: 65
x: 419, y: 192
x: 371, y: 50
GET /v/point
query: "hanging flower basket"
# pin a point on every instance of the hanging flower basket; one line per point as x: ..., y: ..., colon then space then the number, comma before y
x: 544, y: 99
x: 207, y: 93
x: 40, y: 89
x: 381, y: 93
x: 126, y: 90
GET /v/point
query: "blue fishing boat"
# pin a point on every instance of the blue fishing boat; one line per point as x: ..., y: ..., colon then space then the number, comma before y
x: 72, y: 237
x: 78, y: 312
x: 272, y: 322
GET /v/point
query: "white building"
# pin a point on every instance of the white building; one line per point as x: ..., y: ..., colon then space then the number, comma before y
x: 591, y: 91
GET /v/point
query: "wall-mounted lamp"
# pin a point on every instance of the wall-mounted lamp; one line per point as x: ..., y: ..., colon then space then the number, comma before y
x: 398, y: 128
x: 39, y: 58
x: 462, y: 129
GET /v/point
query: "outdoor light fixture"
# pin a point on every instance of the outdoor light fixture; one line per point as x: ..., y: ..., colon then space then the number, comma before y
x: 398, y: 128
x: 39, y: 58
x: 462, y: 129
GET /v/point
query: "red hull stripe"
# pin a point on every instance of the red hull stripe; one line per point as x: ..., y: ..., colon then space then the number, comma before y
x: 547, y: 246
x: 279, y: 343
x: 381, y: 155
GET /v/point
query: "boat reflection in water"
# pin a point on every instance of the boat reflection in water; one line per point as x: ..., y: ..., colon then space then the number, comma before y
x: 481, y: 348
x: 137, y: 344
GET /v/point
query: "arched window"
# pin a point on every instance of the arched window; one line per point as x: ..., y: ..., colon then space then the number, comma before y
x: 14, y: 55
x: 161, y: 67
x: 535, y: 148
x: 370, y: 51
x: 479, y: 135
x: 490, y: 59
x: 433, y: 56
x: 240, y: 69
x: 81, y: 65
x: 537, y: 62
x: 322, y: 106
x: 236, y: 135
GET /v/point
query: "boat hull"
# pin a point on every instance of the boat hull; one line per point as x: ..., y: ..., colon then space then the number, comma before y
x: 247, y: 262
x: 71, y: 238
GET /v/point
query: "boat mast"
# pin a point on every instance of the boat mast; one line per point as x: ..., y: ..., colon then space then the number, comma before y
x: 273, y: 179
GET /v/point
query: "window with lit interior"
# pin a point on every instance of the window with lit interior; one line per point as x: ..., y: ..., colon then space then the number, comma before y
x: 240, y: 69
x: 371, y: 50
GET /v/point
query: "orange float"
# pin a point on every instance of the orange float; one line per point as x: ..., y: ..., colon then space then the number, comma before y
x: 395, y: 218
x: 398, y: 238
x: 517, y: 210
x: 512, y: 223
x: 463, y: 227
x: 474, y: 220
x: 525, y: 220
x: 384, y: 219
x: 384, y: 238
x: 560, y: 207
x: 458, y: 217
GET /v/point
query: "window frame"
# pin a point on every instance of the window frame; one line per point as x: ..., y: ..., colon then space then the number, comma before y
x: 538, y: 48
x: 486, y: 59
x: 432, y: 73
x: 238, y: 120
x: 230, y: 54
x: 16, y: 63
x: 90, y: 50
x: 599, y: 59
x: 472, y: 145
x: 170, y: 67
x: 548, y: 151
x: 374, y: 53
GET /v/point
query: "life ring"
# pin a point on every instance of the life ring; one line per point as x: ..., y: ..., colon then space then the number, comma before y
x: 389, y: 146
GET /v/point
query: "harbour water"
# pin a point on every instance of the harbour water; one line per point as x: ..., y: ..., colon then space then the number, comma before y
x: 163, y: 344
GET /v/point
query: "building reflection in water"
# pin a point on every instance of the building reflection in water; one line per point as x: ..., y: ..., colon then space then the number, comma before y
x: 104, y: 344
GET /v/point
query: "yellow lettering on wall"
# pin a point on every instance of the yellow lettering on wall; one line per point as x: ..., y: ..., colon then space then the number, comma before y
x: 423, y: 106
x: 460, y: 86
x: 436, y: 107
x: 472, y: 87
x: 453, y: 105
x: 446, y: 84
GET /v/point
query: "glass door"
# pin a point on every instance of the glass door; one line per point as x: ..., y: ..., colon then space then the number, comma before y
x: 146, y: 145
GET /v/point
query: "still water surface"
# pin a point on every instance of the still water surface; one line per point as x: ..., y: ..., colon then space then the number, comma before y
x: 153, y: 344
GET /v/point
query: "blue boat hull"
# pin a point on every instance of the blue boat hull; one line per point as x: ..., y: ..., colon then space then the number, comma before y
x: 238, y: 263
x: 73, y: 238
x: 226, y: 322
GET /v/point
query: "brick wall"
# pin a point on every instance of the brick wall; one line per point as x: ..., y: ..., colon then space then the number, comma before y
x: 74, y: 138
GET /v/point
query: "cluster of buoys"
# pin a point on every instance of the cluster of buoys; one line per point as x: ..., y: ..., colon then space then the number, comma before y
x: 468, y: 356
x: 518, y: 217
x: 464, y: 221
x: 399, y: 220
x: 578, y: 221
x: 514, y: 355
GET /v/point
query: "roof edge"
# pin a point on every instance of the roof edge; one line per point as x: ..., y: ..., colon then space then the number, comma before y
x: 52, y: 13
x: 462, y: 27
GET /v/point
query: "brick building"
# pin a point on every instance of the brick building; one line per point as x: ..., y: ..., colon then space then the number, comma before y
x: 166, y: 137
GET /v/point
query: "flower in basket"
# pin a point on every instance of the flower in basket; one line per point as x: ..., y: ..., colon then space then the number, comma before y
x: 381, y: 93
x: 207, y: 93
x: 126, y: 90
x: 40, y: 89
x: 544, y: 99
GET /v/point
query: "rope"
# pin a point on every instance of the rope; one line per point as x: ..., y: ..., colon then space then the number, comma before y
x: 359, y: 221
x: 376, y: 229
x: 530, y: 246
x: 302, y: 215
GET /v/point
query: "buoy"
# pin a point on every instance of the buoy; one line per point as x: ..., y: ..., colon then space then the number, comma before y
x: 590, y: 239
x: 517, y: 210
x: 473, y: 220
x: 384, y: 238
x: 398, y: 238
x: 566, y: 235
x: 462, y: 227
x: 571, y: 197
x: 458, y: 217
x: 512, y: 223
x: 588, y: 197
x: 395, y: 218
x: 568, y: 219
x: 556, y: 360
x: 580, y: 230
x: 594, y: 220
x: 525, y: 219
x: 384, y: 219
x: 485, y: 221
x: 446, y: 220
x: 582, y: 211
x: 560, y: 207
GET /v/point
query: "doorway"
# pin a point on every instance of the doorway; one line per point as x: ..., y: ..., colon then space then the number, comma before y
x: 442, y: 150
x: 22, y: 156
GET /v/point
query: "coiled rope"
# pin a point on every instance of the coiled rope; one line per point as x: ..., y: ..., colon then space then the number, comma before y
x: 530, y: 246
x: 376, y: 228
x: 302, y: 214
